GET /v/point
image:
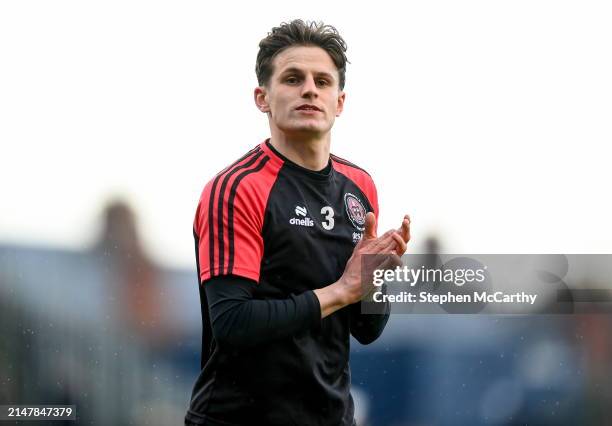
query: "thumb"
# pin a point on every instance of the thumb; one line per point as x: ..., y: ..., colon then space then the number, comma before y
x: 370, y: 226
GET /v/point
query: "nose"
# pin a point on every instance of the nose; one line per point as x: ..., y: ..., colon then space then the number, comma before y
x: 309, y: 88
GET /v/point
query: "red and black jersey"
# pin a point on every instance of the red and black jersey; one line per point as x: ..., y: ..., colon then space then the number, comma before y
x: 291, y: 230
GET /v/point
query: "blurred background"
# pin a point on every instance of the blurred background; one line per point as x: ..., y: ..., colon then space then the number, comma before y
x: 488, y: 122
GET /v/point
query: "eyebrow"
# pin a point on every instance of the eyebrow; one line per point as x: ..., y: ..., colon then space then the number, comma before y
x: 294, y: 70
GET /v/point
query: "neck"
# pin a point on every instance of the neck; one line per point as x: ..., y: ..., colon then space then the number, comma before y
x: 311, y: 152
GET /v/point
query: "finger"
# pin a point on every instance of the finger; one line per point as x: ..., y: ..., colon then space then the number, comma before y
x: 395, y: 261
x: 384, y: 244
x: 382, y: 263
x: 391, y: 261
x: 401, y: 244
x: 381, y: 243
x: 397, y: 245
x: 370, y: 226
x: 405, y: 228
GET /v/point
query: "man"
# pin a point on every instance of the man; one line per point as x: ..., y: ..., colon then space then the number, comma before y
x: 280, y: 236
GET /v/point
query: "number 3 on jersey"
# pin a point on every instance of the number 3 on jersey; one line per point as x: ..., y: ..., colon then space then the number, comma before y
x: 328, y: 223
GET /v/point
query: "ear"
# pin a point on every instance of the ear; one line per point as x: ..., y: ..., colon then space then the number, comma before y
x: 261, y: 101
x: 340, y: 105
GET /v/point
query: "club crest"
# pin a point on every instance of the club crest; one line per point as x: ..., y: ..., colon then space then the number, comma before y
x: 355, y: 210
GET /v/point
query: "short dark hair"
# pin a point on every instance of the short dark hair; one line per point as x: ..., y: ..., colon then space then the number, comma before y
x: 300, y: 33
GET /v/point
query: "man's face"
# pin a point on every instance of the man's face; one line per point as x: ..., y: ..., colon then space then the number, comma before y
x: 303, y: 96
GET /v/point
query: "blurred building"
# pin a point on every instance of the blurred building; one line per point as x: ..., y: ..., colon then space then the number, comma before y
x: 104, y: 329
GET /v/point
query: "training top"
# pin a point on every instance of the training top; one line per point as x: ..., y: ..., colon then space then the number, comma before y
x: 267, y: 232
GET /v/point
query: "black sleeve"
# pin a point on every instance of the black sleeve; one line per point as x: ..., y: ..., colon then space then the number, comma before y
x: 240, y: 320
x: 368, y: 327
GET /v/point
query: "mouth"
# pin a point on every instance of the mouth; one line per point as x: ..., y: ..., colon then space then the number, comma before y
x: 308, y: 107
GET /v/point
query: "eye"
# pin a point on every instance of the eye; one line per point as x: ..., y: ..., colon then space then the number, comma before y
x: 291, y: 80
x: 322, y: 82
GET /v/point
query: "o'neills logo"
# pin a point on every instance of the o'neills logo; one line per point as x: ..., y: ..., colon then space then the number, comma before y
x: 302, y: 222
x: 355, y: 210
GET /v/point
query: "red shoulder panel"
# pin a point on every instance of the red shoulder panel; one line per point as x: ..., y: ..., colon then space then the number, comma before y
x: 229, y: 217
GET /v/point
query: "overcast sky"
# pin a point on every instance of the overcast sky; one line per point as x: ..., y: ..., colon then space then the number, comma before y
x: 489, y: 122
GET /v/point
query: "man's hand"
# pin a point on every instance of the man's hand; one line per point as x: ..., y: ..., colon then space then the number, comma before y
x: 349, y: 288
x: 392, y: 244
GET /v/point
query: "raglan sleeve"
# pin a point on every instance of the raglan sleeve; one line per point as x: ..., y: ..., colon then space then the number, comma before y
x: 227, y: 229
x: 229, y: 249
